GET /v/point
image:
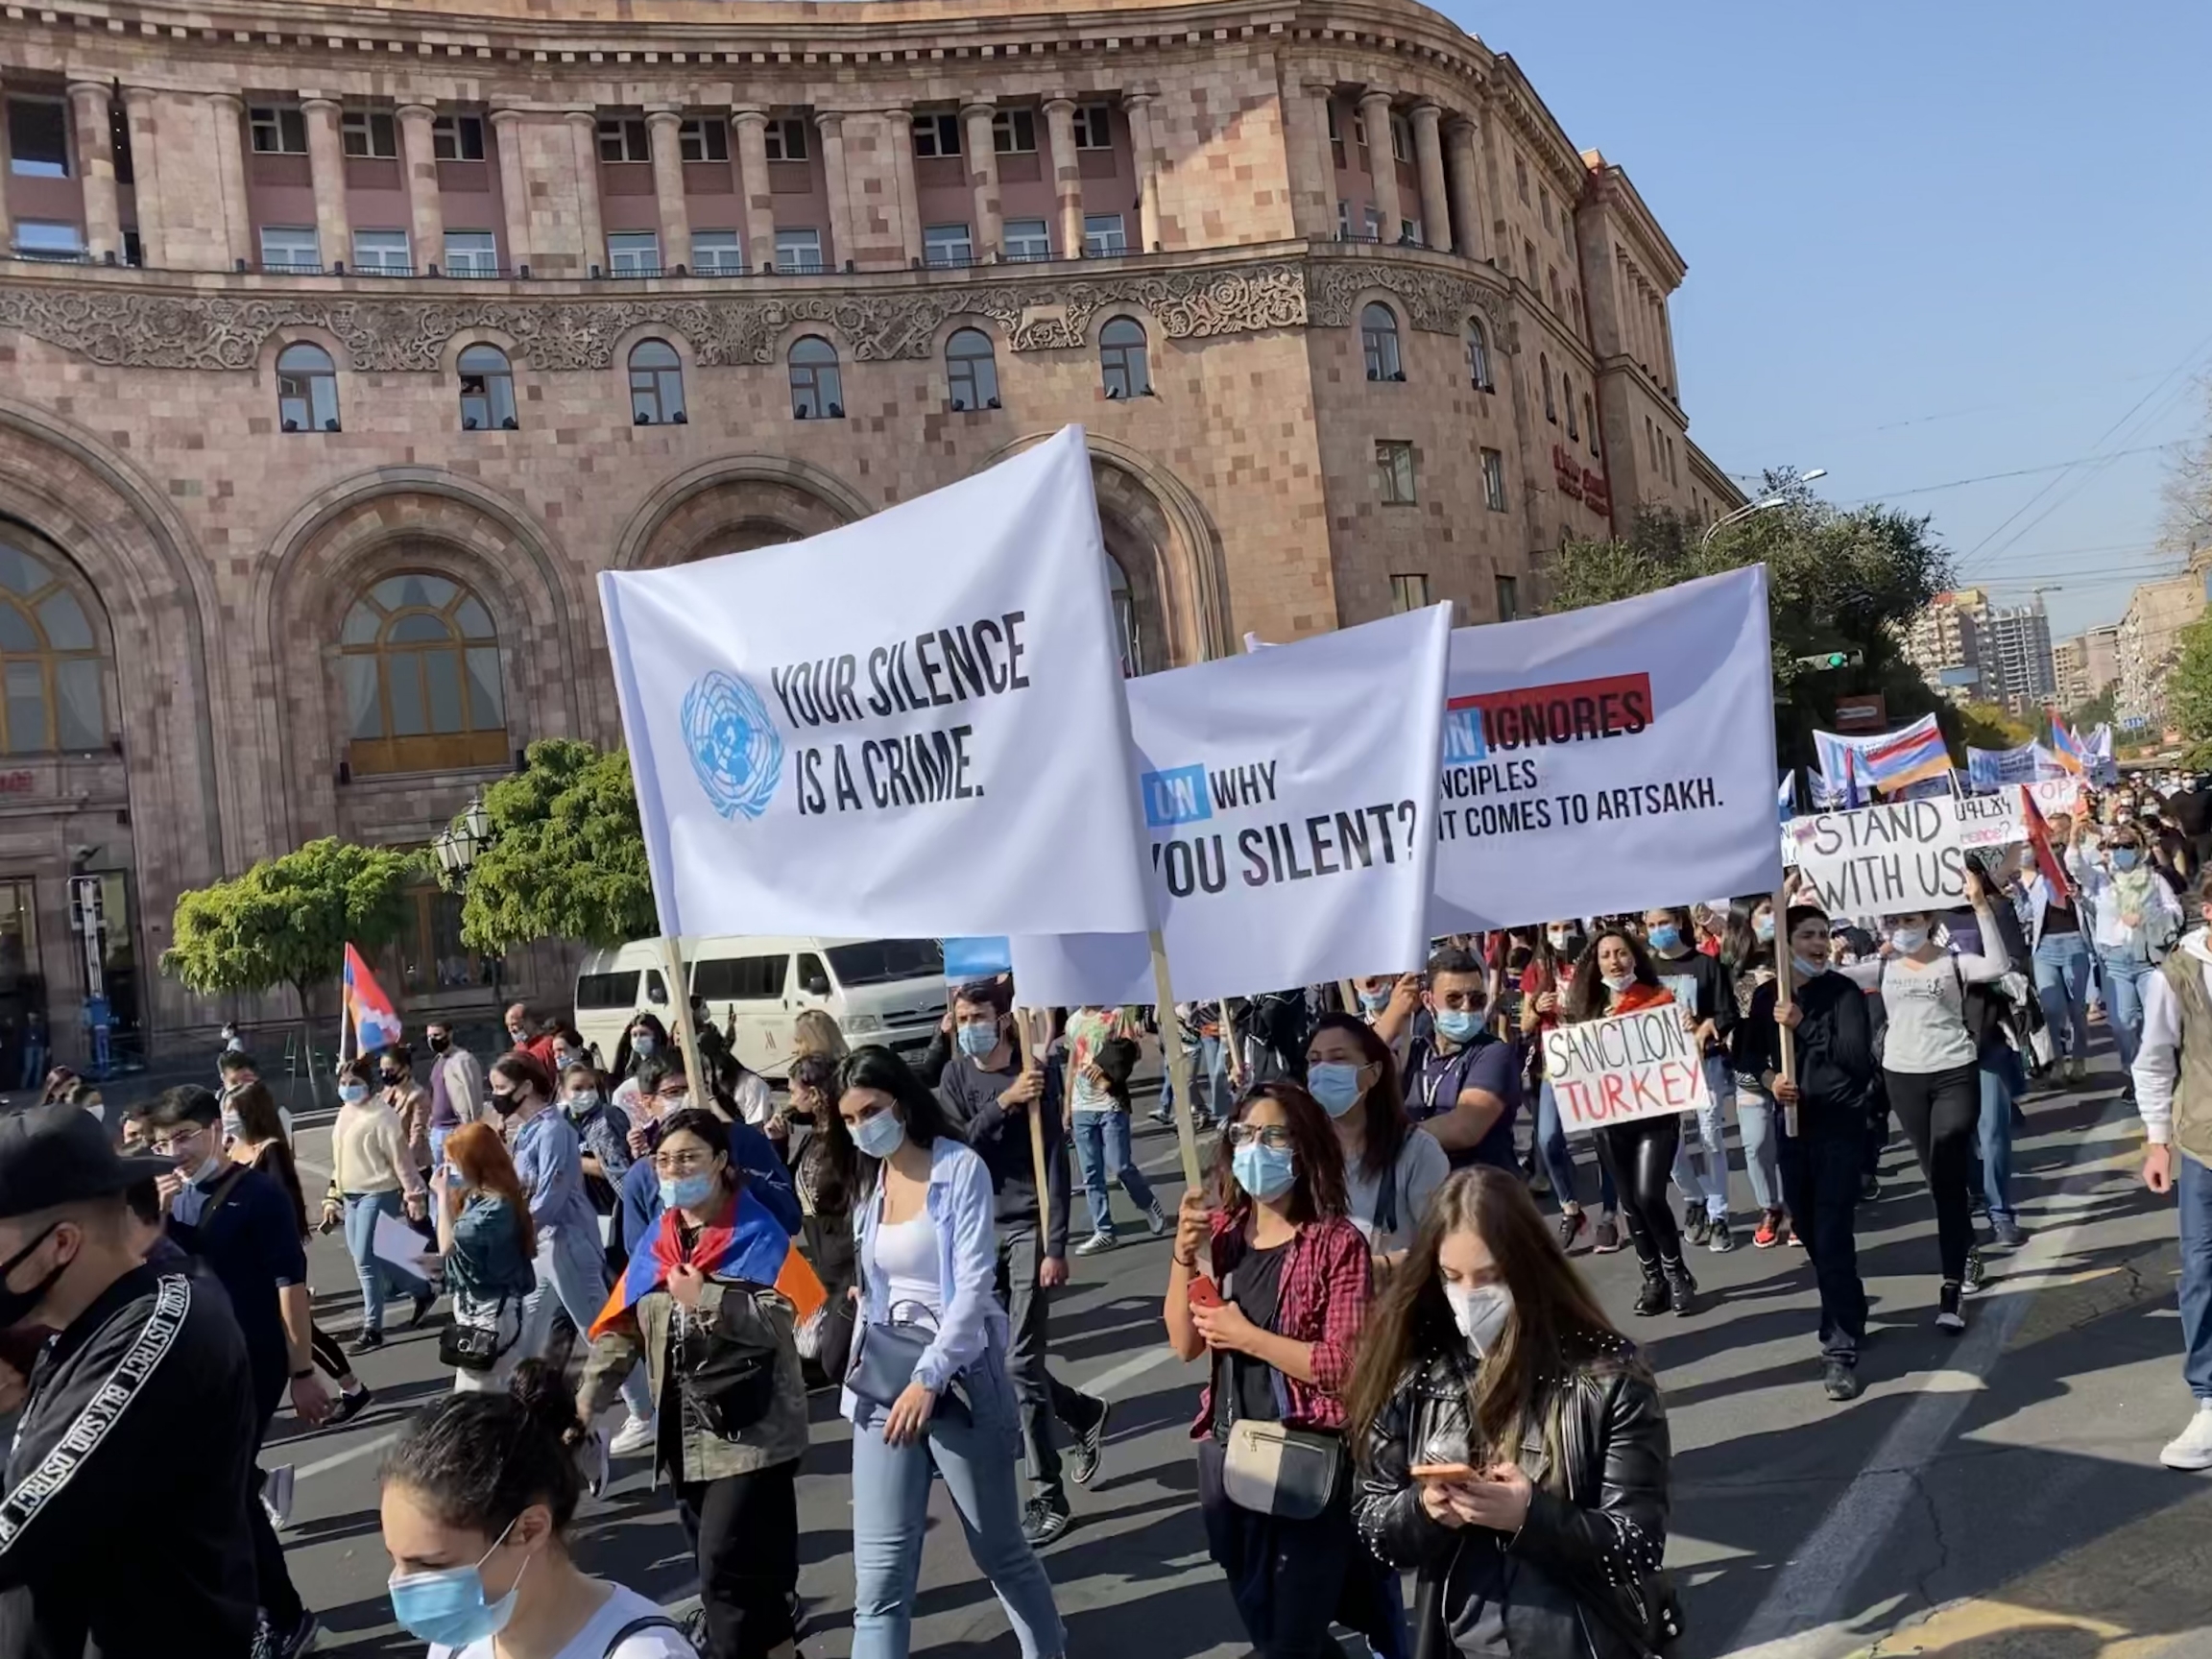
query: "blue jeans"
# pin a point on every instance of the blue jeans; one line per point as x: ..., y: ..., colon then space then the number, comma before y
x: 2192, y: 1185
x: 2062, y: 987
x: 1209, y: 1083
x: 1756, y: 1116
x: 571, y: 1268
x: 1701, y: 1162
x: 1559, y: 1158
x: 891, y: 1513
x: 378, y: 1277
x: 2124, y: 977
x: 1103, y: 1151
x: 33, y: 1064
x: 2001, y: 1081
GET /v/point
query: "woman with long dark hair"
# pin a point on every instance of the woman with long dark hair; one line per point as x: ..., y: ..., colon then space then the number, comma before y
x: 1391, y: 1164
x: 928, y: 1260
x: 1283, y: 1278
x: 1700, y: 984
x: 825, y: 1170
x: 1544, y: 984
x: 1614, y: 975
x: 1513, y: 1447
x: 643, y: 1038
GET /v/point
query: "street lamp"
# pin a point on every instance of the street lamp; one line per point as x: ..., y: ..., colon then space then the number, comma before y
x: 456, y: 846
x: 1744, y: 511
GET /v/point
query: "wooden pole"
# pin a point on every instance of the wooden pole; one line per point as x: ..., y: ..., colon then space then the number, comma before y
x: 686, y: 1027
x: 1784, y: 971
x: 1029, y: 1042
x: 1178, y: 1062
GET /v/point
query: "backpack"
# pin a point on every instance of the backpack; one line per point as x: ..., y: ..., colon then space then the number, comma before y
x: 651, y: 1622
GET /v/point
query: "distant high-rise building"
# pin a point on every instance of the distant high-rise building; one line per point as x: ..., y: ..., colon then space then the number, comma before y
x: 1944, y: 643
x: 1971, y: 651
x: 2149, y: 639
x: 2016, y: 668
x: 2087, y: 666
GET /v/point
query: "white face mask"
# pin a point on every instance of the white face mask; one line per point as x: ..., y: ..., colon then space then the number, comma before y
x: 1481, y: 1311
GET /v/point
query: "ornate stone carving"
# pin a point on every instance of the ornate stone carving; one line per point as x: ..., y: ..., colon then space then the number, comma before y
x: 1436, y: 301
x: 114, y: 325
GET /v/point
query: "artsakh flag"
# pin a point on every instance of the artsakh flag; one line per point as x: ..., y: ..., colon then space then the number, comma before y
x: 375, y: 1022
x: 745, y: 1243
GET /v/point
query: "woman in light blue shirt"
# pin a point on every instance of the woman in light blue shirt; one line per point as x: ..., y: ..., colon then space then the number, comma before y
x: 926, y: 1257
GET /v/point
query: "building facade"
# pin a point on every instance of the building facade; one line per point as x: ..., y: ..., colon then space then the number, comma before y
x: 1971, y: 651
x: 2086, y: 665
x: 1944, y: 644
x: 2016, y: 656
x: 2149, y: 639
x: 343, y: 345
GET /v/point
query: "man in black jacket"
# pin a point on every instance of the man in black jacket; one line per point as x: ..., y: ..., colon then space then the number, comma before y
x: 139, y: 1409
x: 1820, y: 1155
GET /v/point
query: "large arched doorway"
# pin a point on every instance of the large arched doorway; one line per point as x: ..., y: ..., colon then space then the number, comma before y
x: 1169, y: 603
x: 735, y: 506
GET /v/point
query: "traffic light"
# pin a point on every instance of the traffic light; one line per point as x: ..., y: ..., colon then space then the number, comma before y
x: 1833, y: 659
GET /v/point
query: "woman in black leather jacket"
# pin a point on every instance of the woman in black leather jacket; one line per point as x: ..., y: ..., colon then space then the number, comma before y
x: 1513, y: 1448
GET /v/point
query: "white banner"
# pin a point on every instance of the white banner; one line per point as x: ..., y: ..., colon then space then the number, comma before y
x: 910, y: 726
x: 1882, y: 861
x: 1288, y: 796
x: 1609, y: 759
x: 1997, y: 820
x: 1624, y: 1066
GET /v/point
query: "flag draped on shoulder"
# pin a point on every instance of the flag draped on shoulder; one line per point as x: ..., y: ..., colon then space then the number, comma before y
x: 748, y: 1245
x: 375, y: 1022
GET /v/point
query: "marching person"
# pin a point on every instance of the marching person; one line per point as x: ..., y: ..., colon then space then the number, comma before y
x: 1746, y: 949
x: 456, y: 1084
x: 1463, y: 1084
x: 1700, y: 984
x: 396, y: 1072
x: 1929, y: 1064
x: 2137, y: 919
x: 489, y: 1244
x: 2059, y: 948
x: 1391, y: 1166
x: 644, y: 1039
x: 602, y: 1136
x: 1615, y: 976
x: 665, y: 1088
x: 1833, y: 1039
x: 153, y: 1361
x: 372, y: 1174
x: 1101, y: 1120
x: 990, y: 1095
x: 825, y: 1172
x: 924, y: 1224
x: 1543, y: 983
x: 701, y: 1309
x: 1513, y: 1449
x: 1270, y: 1289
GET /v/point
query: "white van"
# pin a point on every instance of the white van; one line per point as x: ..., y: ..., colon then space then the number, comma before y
x: 886, y: 990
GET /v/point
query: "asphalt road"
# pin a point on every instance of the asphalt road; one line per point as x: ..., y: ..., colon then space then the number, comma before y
x: 1992, y: 1472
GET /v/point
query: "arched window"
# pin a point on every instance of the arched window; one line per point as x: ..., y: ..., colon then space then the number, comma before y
x: 419, y: 665
x: 306, y: 389
x: 1379, y: 337
x: 817, y: 392
x: 971, y: 370
x: 1566, y: 394
x: 1122, y: 363
x: 50, y: 671
x: 1478, y: 356
x: 487, y: 390
x: 656, y: 384
x: 1551, y: 401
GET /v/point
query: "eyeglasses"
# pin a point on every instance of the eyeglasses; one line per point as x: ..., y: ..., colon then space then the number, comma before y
x: 676, y: 1162
x: 1274, y: 1137
x: 169, y: 1146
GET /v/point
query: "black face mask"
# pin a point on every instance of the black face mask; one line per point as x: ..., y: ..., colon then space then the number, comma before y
x: 506, y: 1104
x: 438, y: 1044
x: 391, y: 1079
x: 17, y: 1306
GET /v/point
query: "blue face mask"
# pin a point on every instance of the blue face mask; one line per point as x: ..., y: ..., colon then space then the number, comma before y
x: 352, y: 1094
x: 1666, y: 938
x: 688, y: 1192
x: 2125, y: 858
x: 447, y: 1608
x: 977, y: 1040
x: 1374, y: 1002
x: 1763, y: 927
x: 880, y: 1136
x: 644, y: 1044
x: 1263, y: 1171
x: 1458, y: 1024
x: 1334, y: 1084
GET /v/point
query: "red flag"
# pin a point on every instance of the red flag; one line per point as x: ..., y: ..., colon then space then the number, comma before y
x: 2047, y: 858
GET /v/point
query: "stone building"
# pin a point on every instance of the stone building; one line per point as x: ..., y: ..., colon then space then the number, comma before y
x: 2149, y: 639
x: 343, y: 345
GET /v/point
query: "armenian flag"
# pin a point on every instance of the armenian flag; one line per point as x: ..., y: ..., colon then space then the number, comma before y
x: 1910, y: 756
x: 375, y: 1022
x: 2067, y: 747
x: 747, y: 1244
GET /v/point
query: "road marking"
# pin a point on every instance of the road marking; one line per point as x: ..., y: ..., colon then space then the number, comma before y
x: 339, y: 1459
x: 1128, y: 1371
x: 1801, y: 1613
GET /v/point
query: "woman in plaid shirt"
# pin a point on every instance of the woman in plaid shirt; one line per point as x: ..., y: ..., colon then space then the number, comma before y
x: 1293, y: 1281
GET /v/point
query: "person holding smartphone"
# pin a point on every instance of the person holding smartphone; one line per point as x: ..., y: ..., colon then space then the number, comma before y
x: 1484, y: 1349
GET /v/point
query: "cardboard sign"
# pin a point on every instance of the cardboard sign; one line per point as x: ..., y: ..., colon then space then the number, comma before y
x: 1624, y: 1066
x: 1882, y: 861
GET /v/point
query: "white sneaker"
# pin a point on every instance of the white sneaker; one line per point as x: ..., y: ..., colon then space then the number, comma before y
x: 277, y: 1496
x: 634, y: 1436
x: 2192, y: 1448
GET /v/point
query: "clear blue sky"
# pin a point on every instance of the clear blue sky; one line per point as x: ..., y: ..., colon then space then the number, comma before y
x: 1927, y: 242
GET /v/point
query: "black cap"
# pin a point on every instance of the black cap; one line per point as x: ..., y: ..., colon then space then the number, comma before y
x: 53, y: 1155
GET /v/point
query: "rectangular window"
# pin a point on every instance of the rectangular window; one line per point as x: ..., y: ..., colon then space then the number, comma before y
x: 1394, y: 472
x: 1558, y: 294
x: 38, y: 138
x: 739, y: 978
x: 383, y: 250
x: 787, y: 142
x: 290, y: 247
x: 703, y: 140
x: 1335, y: 134
x: 278, y: 131
x: 1508, y: 598
x: 457, y: 138
x: 717, y: 253
x: 936, y: 134
x: 1401, y: 138
x: 1372, y: 222
x: 633, y: 254
x: 1528, y: 260
x: 1027, y: 239
x: 1094, y: 127
x: 799, y: 249
x: 1344, y: 220
x: 1494, y: 480
x: 624, y: 141
x: 1543, y: 205
x: 48, y: 239
x: 1014, y: 131
x: 1104, y: 236
x: 471, y: 254
x: 1520, y: 178
x: 368, y: 132
x: 948, y: 244
x: 1409, y: 593
x: 1409, y: 231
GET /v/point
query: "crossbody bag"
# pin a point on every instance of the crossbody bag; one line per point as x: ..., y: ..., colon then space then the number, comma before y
x: 1270, y: 1468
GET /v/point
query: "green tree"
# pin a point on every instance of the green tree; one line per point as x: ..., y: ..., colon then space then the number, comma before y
x: 1837, y: 579
x: 2189, y: 684
x: 2098, y: 711
x: 287, y: 922
x: 1987, y: 726
x: 567, y: 857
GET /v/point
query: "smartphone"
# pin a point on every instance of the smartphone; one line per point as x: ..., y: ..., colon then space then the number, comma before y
x: 1458, y: 1472
x: 1204, y: 1293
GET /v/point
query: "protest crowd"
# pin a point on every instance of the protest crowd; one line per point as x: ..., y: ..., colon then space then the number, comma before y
x: 1414, y: 1421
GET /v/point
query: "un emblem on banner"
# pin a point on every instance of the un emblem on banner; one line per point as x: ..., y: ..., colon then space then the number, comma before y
x: 735, y: 748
